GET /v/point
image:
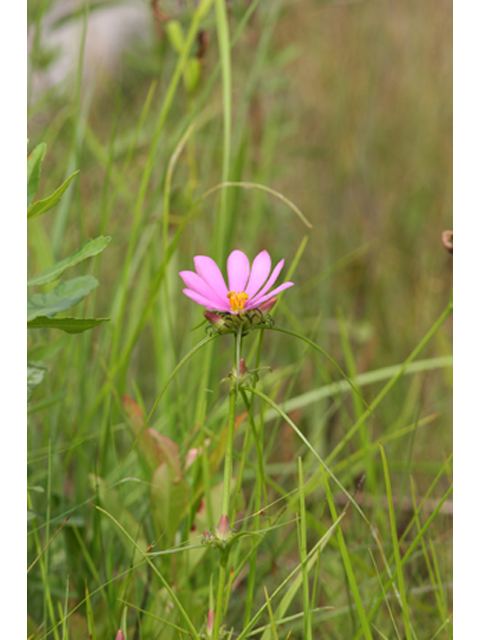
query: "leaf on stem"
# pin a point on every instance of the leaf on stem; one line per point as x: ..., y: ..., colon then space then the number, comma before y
x: 64, y: 296
x: 42, y: 206
x: 87, y: 250
x: 69, y: 325
x: 34, y: 164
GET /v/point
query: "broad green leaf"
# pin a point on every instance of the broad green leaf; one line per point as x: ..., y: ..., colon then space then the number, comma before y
x: 45, y: 205
x: 65, y: 295
x: 35, y: 374
x: 34, y: 164
x: 69, y: 325
x: 87, y: 250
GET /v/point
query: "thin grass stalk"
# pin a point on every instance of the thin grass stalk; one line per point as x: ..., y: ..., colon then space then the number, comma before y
x: 48, y: 603
x: 408, y: 553
x: 396, y: 549
x: 307, y: 622
x: 65, y: 613
x: 164, y: 582
x: 201, y: 11
x: 433, y: 573
x: 374, y: 404
x: 348, y: 566
x: 226, y: 66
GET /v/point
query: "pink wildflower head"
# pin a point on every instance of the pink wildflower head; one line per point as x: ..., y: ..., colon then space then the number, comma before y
x: 248, y: 287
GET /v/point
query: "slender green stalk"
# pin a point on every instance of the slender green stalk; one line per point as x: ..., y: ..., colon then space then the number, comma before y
x: 348, y: 567
x: 226, y: 65
x: 396, y: 549
x: 227, y: 474
x: 222, y: 582
x: 160, y: 576
x: 348, y: 436
x: 201, y: 11
x: 307, y: 622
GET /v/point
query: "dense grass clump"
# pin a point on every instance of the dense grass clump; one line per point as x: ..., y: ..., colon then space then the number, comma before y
x: 320, y: 132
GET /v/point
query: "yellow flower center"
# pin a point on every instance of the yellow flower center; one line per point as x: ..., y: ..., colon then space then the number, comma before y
x: 237, y: 300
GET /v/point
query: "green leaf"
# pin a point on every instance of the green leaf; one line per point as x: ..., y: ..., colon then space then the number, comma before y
x: 191, y: 75
x: 87, y: 250
x: 169, y: 501
x: 42, y: 206
x: 69, y: 325
x: 34, y: 164
x: 65, y: 295
x: 35, y: 374
x: 175, y: 35
x: 91, y: 624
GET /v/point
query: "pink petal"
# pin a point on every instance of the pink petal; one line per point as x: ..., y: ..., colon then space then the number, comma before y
x: 270, y: 282
x: 209, y: 271
x: 198, y: 284
x: 260, y: 269
x: 256, y: 303
x: 213, y: 305
x: 238, y: 269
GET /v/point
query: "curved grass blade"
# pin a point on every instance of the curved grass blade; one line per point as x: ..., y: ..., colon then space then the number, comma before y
x: 171, y: 593
x: 307, y: 443
x: 183, y: 361
x: 254, y: 185
x: 329, y: 358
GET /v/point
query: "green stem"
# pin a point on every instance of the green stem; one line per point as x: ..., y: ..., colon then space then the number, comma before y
x: 222, y: 581
x: 225, y: 61
x: 227, y: 474
x: 227, y: 479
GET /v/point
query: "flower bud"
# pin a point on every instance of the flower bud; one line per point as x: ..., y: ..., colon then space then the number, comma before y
x: 217, y: 322
x: 223, y: 529
x: 119, y: 635
x: 268, y: 305
x: 219, y: 536
x: 210, y: 621
x: 242, y: 369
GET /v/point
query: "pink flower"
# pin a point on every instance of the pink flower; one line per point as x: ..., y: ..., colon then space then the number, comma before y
x: 248, y: 288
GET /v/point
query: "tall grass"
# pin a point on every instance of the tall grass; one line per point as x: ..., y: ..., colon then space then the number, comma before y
x: 342, y: 512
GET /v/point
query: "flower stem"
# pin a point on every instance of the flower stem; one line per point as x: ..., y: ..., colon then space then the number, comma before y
x: 227, y: 474
x: 222, y: 580
x: 227, y: 479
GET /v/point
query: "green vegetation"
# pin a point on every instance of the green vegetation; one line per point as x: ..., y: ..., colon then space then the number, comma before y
x: 321, y: 132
